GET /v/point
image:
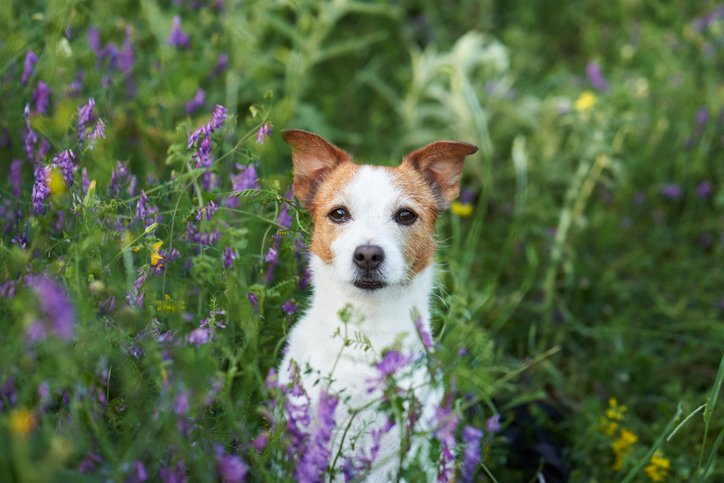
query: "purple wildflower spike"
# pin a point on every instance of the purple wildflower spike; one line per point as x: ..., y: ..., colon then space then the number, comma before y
x: 595, y: 77
x: 471, y: 453
x: 254, y: 300
x: 492, y: 425
x: 59, y: 316
x: 671, y: 191
x: 94, y: 40
x: 703, y: 189
x: 41, y: 191
x: 230, y: 467
x: 16, y: 176
x: 264, y: 132
x: 84, y: 181
x: 199, y: 336
x: 197, y: 102
x: 425, y: 336
x: 221, y: 65
x: 99, y: 131
x: 85, y: 117
x: 126, y: 56
x: 64, y: 162
x: 314, y: 460
x: 290, y: 307
x: 30, y: 60
x: 178, y: 37
x: 41, y: 98
x: 229, y: 257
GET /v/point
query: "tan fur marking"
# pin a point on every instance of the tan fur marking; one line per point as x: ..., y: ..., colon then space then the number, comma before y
x: 420, y: 241
x: 324, y: 230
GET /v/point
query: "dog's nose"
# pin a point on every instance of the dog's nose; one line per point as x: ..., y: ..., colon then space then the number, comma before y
x: 368, y: 257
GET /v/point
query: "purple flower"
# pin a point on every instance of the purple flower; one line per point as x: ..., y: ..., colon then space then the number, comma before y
x: 64, y: 162
x: 77, y: 84
x: 139, y: 472
x: 57, y: 310
x: 392, y: 362
x: 595, y: 77
x: 272, y: 256
x: 41, y: 98
x: 199, y: 336
x: 289, y: 307
x: 117, y: 175
x: 144, y: 211
x: 94, y: 40
x: 174, y: 475
x: 259, y: 443
x: 471, y: 453
x: 492, y: 425
x: 703, y: 189
x: 181, y: 405
x: 254, y: 300
x: 264, y: 132
x: 85, y: 117
x: 99, y: 131
x: 178, y: 37
x: 196, y: 102
x: 702, y: 116
x: 221, y: 64
x: 446, y: 468
x: 425, y: 336
x: 671, y: 191
x: 218, y: 116
x: 41, y: 191
x: 89, y: 463
x: 314, y: 460
x: 126, y: 56
x: 16, y: 176
x: 201, y: 237
x: 207, y: 211
x: 229, y: 257
x: 285, y: 218
x: 231, y: 469
x: 363, y: 461
x: 84, y: 181
x: 445, y: 422
x: 30, y: 60
x: 30, y: 138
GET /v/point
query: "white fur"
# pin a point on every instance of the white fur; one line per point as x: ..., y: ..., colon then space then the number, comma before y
x: 384, y: 316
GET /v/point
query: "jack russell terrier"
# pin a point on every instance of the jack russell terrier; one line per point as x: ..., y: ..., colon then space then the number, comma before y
x: 371, y: 254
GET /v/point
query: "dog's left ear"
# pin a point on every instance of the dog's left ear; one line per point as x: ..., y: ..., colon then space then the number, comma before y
x: 314, y: 158
x: 441, y: 164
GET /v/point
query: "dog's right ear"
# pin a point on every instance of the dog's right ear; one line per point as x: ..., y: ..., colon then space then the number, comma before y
x: 313, y: 157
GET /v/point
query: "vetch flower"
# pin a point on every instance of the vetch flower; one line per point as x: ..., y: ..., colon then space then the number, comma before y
x: 289, y: 307
x: 221, y: 64
x: 230, y: 467
x: 94, y: 40
x: 16, y: 176
x: 254, y: 300
x: 229, y: 257
x: 64, y: 162
x: 178, y: 38
x: 595, y: 77
x: 492, y: 425
x: 197, y: 102
x: 703, y: 189
x: 471, y: 453
x: 207, y: 211
x: 30, y: 60
x: 585, y: 101
x: 314, y: 460
x: 41, y: 98
x: 264, y: 132
x: 199, y: 336
x: 85, y: 117
x: 58, y: 313
x: 41, y: 191
x: 99, y: 131
x: 181, y: 405
x: 671, y: 191
x: 156, y: 258
x: 425, y: 336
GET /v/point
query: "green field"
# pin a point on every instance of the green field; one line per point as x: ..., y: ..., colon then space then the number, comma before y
x: 153, y: 257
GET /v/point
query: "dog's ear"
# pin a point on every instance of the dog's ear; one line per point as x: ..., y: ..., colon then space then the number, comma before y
x: 441, y: 164
x: 313, y: 157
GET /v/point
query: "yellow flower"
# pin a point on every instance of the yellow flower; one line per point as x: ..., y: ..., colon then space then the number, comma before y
x: 614, y: 414
x: 659, y: 467
x: 156, y: 257
x: 461, y: 209
x: 56, y: 183
x: 622, y: 447
x: 585, y: 101
x: 168, y: 305
x: 21, y: 421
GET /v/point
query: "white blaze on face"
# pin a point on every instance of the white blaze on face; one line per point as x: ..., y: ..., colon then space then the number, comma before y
x: 372, y: 199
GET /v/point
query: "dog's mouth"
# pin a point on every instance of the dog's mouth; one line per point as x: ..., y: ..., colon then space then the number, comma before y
x: 369, y: 283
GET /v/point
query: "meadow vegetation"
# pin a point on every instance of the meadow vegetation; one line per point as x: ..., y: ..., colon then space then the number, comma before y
x: 153, y: 257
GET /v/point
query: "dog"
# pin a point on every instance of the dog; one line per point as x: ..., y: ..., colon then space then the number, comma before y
x: 371, y: 253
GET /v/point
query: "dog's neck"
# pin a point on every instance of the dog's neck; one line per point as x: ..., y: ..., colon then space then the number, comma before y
x: 385, y: 313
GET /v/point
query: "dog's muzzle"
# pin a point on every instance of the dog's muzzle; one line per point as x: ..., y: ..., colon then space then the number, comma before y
x: 368, y: 259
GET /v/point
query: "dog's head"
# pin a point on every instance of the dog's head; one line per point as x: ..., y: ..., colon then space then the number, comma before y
x: 374, y: 225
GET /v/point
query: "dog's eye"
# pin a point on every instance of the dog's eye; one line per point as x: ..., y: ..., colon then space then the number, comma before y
x: 405, y: 217
x: 339, y: 215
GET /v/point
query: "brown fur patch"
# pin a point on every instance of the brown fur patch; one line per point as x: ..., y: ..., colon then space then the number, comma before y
x: 420, y: 241
x: 324, y: 230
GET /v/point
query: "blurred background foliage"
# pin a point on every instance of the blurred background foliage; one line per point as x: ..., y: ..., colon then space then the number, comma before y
x: 588, y: 265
